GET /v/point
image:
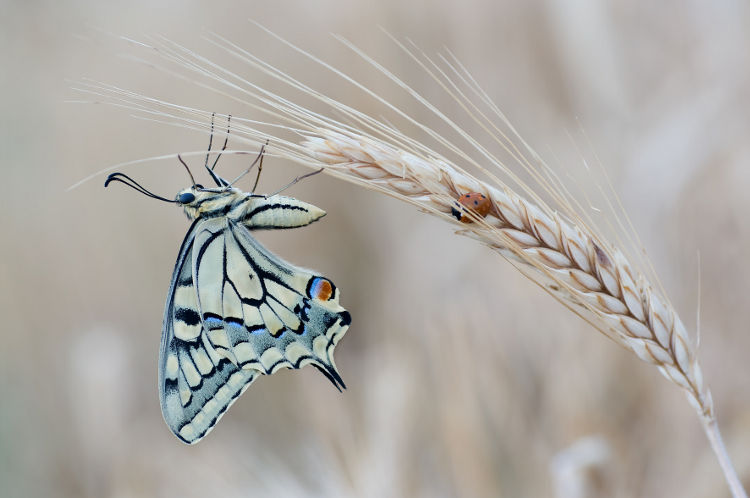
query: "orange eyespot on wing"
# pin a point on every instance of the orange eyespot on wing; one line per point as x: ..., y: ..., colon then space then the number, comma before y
x: 473, y: 201
x: 320, y: 289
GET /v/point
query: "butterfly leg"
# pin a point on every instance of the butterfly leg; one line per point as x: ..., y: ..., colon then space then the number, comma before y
x: 259, y: 161
x: 219, y: 180
x: 260, y: 167
x: 296, y: 180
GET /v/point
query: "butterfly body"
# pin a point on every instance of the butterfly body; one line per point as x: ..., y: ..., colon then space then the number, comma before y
x: 236, y: 311
x: 252, y: 210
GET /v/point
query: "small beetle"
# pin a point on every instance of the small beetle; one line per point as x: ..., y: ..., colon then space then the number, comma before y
x: 474, y: 201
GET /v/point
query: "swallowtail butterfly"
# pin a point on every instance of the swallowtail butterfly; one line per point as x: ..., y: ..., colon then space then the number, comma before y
x: 234, y: 310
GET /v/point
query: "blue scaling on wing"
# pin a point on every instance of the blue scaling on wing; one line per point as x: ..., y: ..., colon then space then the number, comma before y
x: 304, y: 326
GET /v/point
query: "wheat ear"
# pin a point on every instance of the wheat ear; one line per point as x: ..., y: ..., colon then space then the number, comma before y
x: 584, y: 272
x: 580, y: 268
x: 595, y: 275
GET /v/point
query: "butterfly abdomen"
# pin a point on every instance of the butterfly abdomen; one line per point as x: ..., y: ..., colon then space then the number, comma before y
x: 275, y: 212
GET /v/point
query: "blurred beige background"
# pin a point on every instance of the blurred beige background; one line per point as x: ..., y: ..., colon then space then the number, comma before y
x: 464, y: 379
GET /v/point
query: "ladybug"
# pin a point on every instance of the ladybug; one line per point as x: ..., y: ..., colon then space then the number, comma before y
x: 478, y: 203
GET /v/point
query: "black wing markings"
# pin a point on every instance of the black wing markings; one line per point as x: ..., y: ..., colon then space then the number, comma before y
x: 191, y: 392
x: 190, y: 421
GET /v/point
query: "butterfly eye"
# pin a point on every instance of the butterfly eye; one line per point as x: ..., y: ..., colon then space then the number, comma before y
x: 185, y: 198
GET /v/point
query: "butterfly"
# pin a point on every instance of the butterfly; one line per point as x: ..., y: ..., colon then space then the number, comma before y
x: 235, y: 310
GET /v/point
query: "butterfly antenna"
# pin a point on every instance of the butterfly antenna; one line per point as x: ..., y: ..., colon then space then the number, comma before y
x: 123, y: 178
x: 186, y: 167
x: 296, y: 180
x: 258, y: 160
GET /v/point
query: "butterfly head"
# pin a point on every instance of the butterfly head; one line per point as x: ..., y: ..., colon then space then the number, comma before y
x: 198, y: 201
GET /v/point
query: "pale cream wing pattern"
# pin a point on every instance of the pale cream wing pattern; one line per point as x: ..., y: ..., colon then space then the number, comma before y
x: 236, y: 311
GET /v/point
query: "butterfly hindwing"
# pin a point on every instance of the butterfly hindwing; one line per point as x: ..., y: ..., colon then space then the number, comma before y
x: 261, y: 312
x: 235, y: 311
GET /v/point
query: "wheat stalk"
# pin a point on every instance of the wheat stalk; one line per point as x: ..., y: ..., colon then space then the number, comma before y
x: 558, y: 250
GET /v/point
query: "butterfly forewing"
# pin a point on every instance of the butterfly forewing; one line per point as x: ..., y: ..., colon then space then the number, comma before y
x: 196, y: 382
x: 236, y: 311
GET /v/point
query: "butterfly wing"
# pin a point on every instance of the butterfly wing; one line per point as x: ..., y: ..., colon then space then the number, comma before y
x: 234, y: 312
x: 261, y: 312
x: 196, y: 384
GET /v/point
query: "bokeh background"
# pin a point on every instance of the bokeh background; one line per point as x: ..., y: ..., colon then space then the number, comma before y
x: 464, y: 379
